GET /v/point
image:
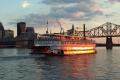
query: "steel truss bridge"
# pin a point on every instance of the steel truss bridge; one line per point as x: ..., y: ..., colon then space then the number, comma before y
x: 107, y: 30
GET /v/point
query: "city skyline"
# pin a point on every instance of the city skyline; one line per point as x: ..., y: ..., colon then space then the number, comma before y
x: 36, y: 13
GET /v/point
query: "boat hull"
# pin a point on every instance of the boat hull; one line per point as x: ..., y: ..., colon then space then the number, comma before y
x: 66, y: 49
x: 40, y: 49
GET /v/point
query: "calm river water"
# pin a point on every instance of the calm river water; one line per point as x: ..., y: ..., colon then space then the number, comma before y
x: 18, y: 64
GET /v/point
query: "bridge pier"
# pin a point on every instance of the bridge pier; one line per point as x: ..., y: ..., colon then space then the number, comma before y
x: 109, y: 43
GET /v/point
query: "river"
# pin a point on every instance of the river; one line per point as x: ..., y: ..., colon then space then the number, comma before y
x: 18, y: 64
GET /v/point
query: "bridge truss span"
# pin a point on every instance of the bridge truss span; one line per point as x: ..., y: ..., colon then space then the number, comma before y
x: 105, y: 30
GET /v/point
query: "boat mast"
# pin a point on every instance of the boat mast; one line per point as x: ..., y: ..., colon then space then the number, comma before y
x: 73, y: 29
x: 47, y: 28
x: 84, y: 36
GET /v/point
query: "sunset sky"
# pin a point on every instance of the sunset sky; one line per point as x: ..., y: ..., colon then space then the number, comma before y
x: 36, y: 13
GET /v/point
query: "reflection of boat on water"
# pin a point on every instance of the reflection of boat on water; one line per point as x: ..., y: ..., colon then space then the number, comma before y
x: 80, y: 67
x: 61, y: 44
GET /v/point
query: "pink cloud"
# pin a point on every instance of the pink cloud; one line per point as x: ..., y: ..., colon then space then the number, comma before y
x: 78, y: 14
x: 114, y: 1
x: 96, y: 7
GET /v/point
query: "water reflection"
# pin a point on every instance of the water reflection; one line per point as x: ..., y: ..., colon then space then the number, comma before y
x: 18, y: 63
x: 67, y: 67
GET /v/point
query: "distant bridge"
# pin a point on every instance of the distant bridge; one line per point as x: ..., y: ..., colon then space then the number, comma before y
x: 107, y: 30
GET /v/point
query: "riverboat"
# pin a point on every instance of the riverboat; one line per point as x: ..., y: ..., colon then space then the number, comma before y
x: 62, y: 44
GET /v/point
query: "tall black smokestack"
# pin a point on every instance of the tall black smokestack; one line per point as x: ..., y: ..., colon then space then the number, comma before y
x: 84, y: 37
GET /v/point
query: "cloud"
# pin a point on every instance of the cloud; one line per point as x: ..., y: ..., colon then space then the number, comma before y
x: 77, y: 9
x: 114, y: 1
x: 110, y: 7
x: 40, y: 21
x: 59, y: 2
x: 25, y: 4
x: 73, y: 10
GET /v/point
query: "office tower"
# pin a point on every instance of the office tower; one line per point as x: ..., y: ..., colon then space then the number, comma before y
x: 9, y: 34
x: 30, y: 33
x: 30, y: 30
x: 2, y: 31
x: 21, y: 28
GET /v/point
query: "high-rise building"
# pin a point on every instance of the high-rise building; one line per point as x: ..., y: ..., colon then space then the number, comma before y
x: 9, y: 34
x: 30, y: 30
x: 2, y: 31
x: 26, y: 39
x: 21, y: 28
